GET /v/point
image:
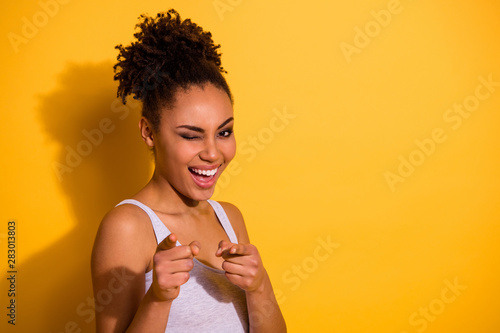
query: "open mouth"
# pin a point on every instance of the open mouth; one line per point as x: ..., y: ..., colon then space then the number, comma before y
x: 204, y: 178
x: 205, y: 173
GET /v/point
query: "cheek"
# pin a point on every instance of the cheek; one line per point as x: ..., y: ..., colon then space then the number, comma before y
x: 230, y: 150
x: 181, y: 153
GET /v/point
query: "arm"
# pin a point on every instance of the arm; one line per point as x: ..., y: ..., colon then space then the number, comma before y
x: 171, y: 269
x: 244, y: 268
x: 122, y: 252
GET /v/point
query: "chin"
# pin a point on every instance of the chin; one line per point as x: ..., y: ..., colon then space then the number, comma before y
x: 203, y: 195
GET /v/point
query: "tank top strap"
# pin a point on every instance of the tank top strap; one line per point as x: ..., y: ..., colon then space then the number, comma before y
x: 160, y: 229
x: 224, y: 220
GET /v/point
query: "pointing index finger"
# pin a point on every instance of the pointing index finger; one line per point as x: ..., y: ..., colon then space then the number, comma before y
x: 168, y: 243
x: 235, y: 250
x: 223, y: 246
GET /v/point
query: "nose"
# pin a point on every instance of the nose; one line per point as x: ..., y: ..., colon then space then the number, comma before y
x: 210, y: 152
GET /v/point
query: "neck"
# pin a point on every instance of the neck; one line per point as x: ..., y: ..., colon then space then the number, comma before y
x: 160, y: 194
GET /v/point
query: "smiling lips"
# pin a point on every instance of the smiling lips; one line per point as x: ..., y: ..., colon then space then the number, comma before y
x: 204, y: 178
x: 204, y: 172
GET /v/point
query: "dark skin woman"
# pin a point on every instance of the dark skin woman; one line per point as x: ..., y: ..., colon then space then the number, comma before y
x: 174, y: 69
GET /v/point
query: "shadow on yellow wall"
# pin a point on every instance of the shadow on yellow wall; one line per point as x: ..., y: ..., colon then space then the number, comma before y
x: 102, y: 160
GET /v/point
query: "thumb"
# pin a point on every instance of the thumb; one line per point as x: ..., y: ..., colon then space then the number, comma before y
x: 195, y: 247
x: 223, y: 246
x: 168, y: 243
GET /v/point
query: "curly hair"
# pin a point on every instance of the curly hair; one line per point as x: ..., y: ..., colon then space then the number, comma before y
x: 169, y: 54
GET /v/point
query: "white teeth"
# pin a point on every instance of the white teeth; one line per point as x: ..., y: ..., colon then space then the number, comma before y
x: 205, y: 172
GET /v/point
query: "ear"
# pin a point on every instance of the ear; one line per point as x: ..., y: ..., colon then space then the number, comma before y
x: 146, y: 132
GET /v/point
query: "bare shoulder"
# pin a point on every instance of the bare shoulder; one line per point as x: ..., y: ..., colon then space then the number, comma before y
x: 122, y: 252
x: 124, y: 219
x: 237, y: 221
x: 124, y: 237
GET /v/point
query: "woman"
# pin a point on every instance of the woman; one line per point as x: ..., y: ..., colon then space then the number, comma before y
x: 169, y: 259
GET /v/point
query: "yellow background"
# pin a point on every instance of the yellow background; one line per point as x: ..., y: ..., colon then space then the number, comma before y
x: 317, y: 177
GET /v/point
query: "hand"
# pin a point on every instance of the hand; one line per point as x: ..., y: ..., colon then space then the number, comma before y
x: 172, y: 265
x: 243, y: 265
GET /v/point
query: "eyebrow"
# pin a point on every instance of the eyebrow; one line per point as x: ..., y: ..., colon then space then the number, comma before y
x: 201, y: 130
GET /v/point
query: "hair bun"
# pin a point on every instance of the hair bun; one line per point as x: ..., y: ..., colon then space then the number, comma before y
x: 165, y: 47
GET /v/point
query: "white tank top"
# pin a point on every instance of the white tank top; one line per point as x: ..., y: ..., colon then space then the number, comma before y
x: 208, y: 302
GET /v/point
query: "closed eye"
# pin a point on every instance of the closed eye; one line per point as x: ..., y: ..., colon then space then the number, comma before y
x: 189, y: 137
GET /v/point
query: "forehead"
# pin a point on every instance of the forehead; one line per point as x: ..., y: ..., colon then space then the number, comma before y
x: 202, y: 106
